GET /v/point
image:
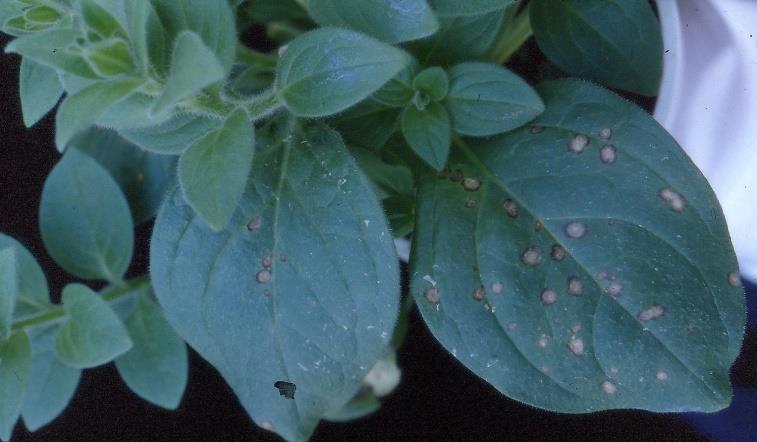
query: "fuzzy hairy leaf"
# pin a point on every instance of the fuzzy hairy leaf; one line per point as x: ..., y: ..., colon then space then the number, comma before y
x: 325, y: 71
x: 93, y: 335
x: 393, y: 21
x: 615, y: 42
x: 49, y: 48
x: 461, y: 38
x: 31, y: 287
x: 40, y: 90
x: 51, y: 385
x: 173, y: 136
x: 144, y: 177
x: 428, y: 133
x: 213, y: 172
x: 15, y: 356
x: 301, y: 286
x: 156, y: 367
x: 9, y: 282
x: 584, y: 264
x: 486, y: 99
x: 85, y: 220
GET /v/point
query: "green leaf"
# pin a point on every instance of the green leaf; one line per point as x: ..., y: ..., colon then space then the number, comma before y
x: 363, y: 404
x: 432, y: 81
x: 469, y: 7
x: 326, y: 71
x: 584, y: 264
x: 156, y: 367
x: 93, y: 335
x: 393, y: 21
x: 388, y: 178
x: 99, y: 20
x: 212, y: 20
x: 85, y: 221
x: 15, y: 354
x: 40, y: 90
x: 110, y: 58
x: 51, y: 48
x: 485, y: 99
x: 428, y: 133
x: 9, y: 282
x: 193, y: 67
x: 617, y: 43
x: 78, y: 111
x: 213, y: 172
x: 461, y: 38
x: 399, y: 90
x: 173, y: 136
x: 32, y: 293
x: 368, y: 124
x: 264, y: 306
x: 264, y: 11
x: 143, y: 177
x: 52, y: 384
x: 133, y: 113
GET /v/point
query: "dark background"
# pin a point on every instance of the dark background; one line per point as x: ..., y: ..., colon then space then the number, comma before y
x: 437, y: 400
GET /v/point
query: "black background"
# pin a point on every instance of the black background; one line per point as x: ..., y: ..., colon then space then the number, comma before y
x: 437, y: 400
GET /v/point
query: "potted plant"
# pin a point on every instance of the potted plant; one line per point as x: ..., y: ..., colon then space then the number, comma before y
x: 565, y: 249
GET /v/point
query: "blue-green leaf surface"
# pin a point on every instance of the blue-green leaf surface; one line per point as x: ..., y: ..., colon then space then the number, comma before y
x: 15, y: 356
x: 461, y: 38
x: 156, y: 367
x: 393, y: 21
x: 584, y: 264
x: 325, y: 71
x: 50, y: 48
x: 85, y: 220
x: 301, y: 286
x: 173, y: 136
x: 428, y: 133
x: 468, y: 7
x: 93, y: 335
x: 40, y: 90
x: 615, y: 42
x: 144, y: 177
x: 31, y: 287
x: 213, y: 172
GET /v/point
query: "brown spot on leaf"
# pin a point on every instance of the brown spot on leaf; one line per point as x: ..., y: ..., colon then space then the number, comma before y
x: 575, y: 286
x: 531, y: 256
x: 479, y: 294
x: 652, y: 313
x: 548, y: 297
x: 432, y: 295
x: 255, y: 223
x: 558, y: 252
x: 578, y: 143
x: 264, y: 276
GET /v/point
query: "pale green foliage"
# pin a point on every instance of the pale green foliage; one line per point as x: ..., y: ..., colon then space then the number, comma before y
x: 9, y: 283
x: 40, y: 90
x: 15, y: 356
x: 427, y: 131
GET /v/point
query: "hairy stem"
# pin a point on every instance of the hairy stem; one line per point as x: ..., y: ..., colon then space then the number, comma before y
x: 56, y: 313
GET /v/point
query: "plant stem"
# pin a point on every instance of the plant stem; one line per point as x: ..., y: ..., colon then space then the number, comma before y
x: 56, y: 312
x: 515, y: 32
x: 265, y: 62
x: 263, y: 105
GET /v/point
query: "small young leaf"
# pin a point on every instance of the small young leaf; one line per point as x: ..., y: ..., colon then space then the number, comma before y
x: 42, y: 14
x: 15, y: 356
x: 51, y: 384
x: 459, y: 8
x: 363, y: 404
x: 398, y: 92
x: 193, y: 67
x: 325, y: 71
x: 595, y: 258
x: 85, y: 220
x: 99, y: 20
x: 143, y: 177
x: 9, y: 282
x: 110, y: 57
x: 393, y: 21
x: 485, y: 99
x: 93, y: 335
x: 49, y: 48
x: 31, y: 289
x: 40, y: 90
x: 156, y: 367
x: 428, y: 133
x: 173, y: 136
x: 617, y: 43
x: 213, y: 172
x: 432, y: 81
x: 264, y: 306
x: 80, y: 110
x: 146, y: 34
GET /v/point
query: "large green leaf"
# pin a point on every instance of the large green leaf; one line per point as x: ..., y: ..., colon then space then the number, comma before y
x: 80, y: 110
x: 468, y: 7
x: 461, y: 38
x: 427, y: 131
x: 393, y: 21
x: 85, y: 220
x: 15, y: 355
x: 50, y: 48
x: 93, y: 335
x: 325, y: 71
x: 213, y: 172
x: 301, y: 286
x: 584, y: 264
x: 173, y: 136
x: 212, y: 20
x: 32, y: 293
x: 143, y: 177
x: 156, y: 367
x: 368, y: 125
x: 51, y: 385
x: 40, y: 90
x: 615, y: 42
x: 486, y: 99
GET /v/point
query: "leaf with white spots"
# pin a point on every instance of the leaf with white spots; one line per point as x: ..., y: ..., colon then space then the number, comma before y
x: 301, y: 285
x: 575, y: 283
